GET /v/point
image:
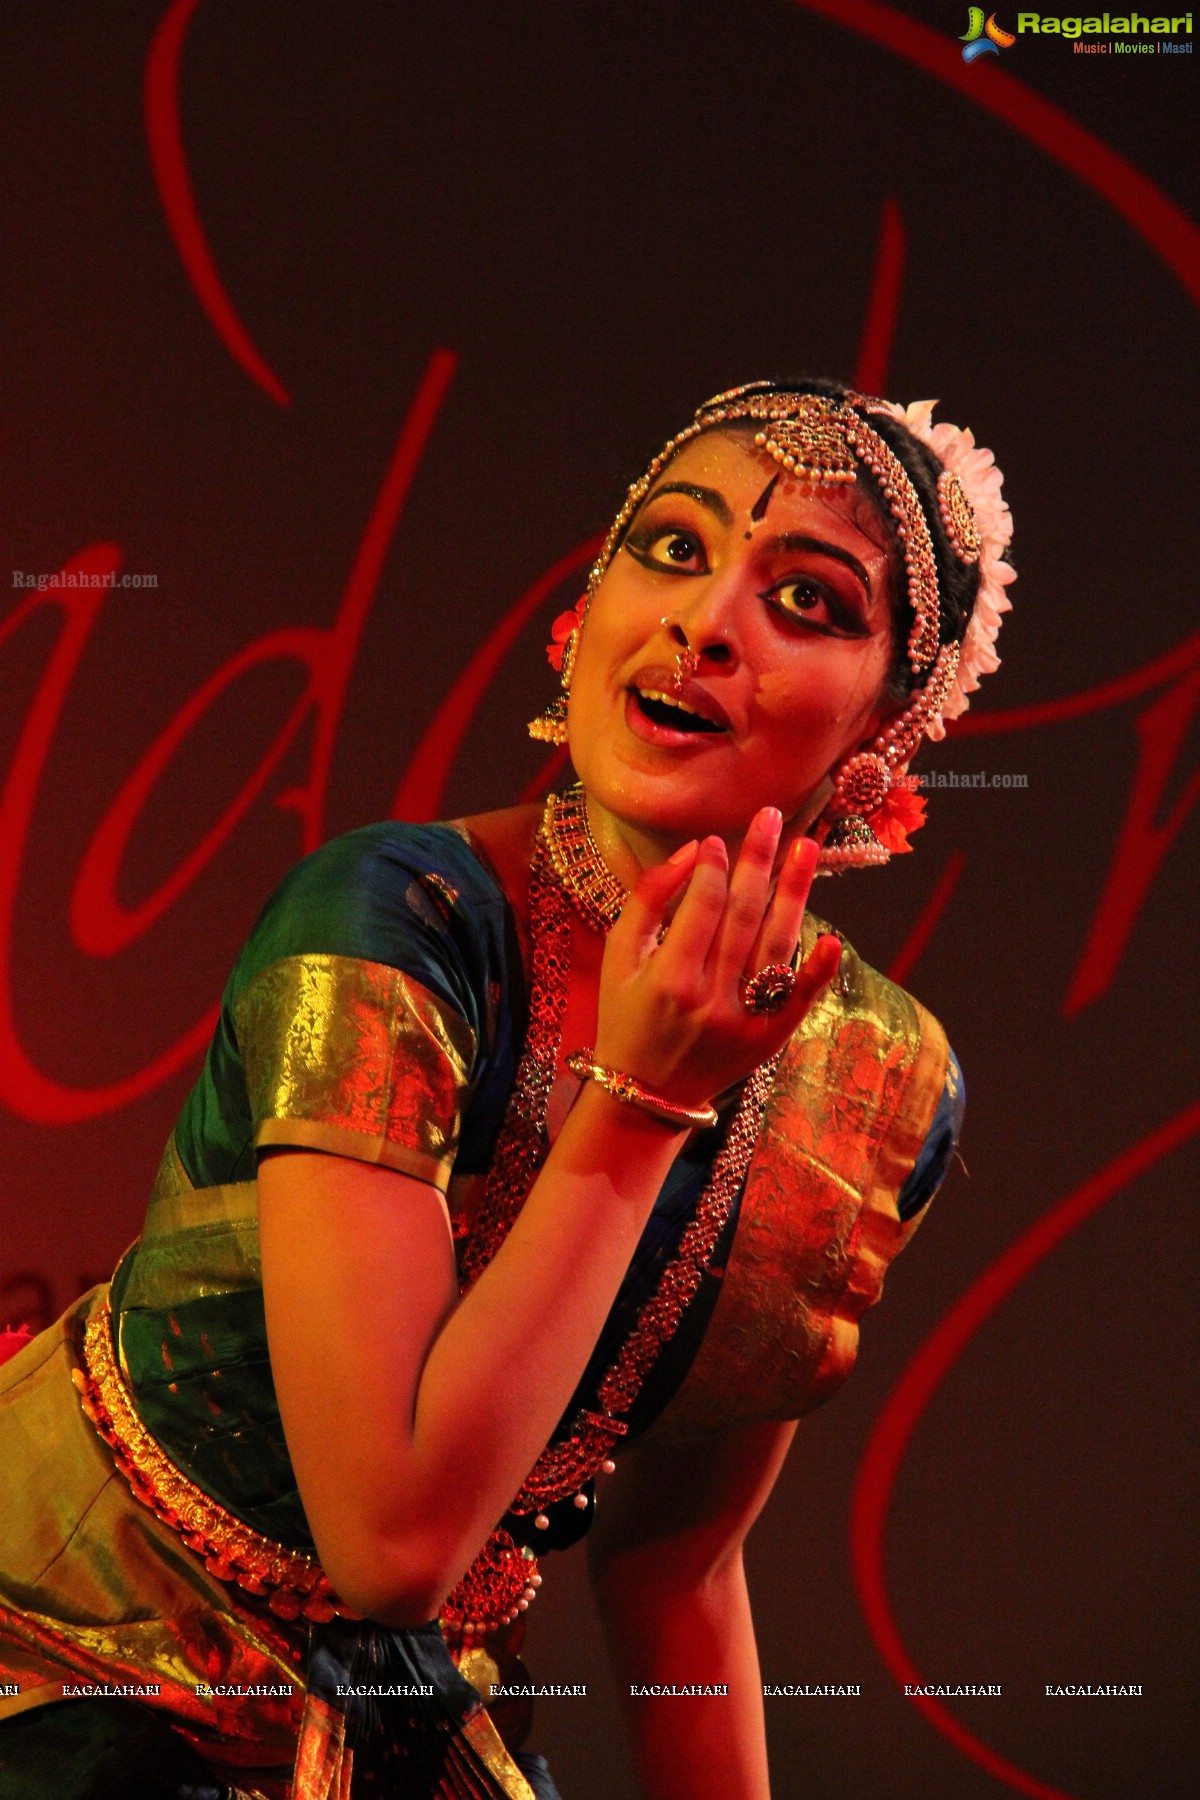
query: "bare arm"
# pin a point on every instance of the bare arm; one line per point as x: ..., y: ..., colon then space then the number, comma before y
x: 412, y: 1417
x: 666, y: 1560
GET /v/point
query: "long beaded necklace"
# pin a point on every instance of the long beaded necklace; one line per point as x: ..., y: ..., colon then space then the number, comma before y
x: 568, y: 872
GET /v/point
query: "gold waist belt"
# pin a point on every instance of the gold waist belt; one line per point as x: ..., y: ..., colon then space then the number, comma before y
x: 292, y: 1583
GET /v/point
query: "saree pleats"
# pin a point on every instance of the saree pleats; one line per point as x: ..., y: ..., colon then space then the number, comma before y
x: 388, y: 1710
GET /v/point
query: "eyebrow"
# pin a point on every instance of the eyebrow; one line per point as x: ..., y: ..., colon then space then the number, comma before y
x: 709, y: 497
x: 797, y: 540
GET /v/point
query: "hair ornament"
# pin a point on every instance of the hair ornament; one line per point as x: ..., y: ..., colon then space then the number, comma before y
x: 958, y: 516
x: 975, y: 471
x: 814, y: 438
x: 807, y: 438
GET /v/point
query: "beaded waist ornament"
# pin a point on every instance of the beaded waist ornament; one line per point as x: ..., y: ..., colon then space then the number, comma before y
x: 290, y: 1581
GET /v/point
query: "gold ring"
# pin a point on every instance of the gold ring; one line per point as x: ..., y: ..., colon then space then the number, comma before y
x: 769, y: 990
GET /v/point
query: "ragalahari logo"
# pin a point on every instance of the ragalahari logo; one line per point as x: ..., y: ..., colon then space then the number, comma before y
x: 984, y: 39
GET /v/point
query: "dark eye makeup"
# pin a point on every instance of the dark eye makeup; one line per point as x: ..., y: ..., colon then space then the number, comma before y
x: 817, y: 606
x: 670, y: 547
x: 806, y: 601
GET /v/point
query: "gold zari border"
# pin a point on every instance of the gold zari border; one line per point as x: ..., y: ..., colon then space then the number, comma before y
x: 818, y: 1225
x: 292, y: 1583
x: 357, y: 1058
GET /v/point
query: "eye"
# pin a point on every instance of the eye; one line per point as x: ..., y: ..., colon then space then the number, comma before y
x: 815, y: 604
x: 668, y: 547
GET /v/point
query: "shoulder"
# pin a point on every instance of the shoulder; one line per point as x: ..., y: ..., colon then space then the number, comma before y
x: 410, y: 897
x: 941, y: 1141
x: 862, y: 992
x: 862, y: 1000
x: 874, y: 1052
x: 356, y: 886
x: 898, y: 1049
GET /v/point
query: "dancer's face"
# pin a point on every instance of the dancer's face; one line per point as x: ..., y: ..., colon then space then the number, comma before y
x: 782, y: 592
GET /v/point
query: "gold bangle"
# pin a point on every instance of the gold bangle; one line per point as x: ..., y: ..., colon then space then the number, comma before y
x: 630, y: 1090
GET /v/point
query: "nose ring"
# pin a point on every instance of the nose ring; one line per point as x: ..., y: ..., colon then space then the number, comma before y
x: 686, y: 664
x: 686, y: 660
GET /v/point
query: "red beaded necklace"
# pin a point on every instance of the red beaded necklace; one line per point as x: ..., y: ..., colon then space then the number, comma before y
x: 503, y: 1578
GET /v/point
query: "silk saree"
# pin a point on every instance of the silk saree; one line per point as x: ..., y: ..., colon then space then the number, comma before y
x: 378, y: 1011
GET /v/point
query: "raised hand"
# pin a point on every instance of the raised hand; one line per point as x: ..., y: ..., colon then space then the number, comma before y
x: 674, y: 1013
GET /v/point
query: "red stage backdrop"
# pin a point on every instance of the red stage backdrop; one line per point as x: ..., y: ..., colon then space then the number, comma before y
x: 333, y: 334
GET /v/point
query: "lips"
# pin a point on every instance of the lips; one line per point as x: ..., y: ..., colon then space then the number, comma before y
x: 688, y: 708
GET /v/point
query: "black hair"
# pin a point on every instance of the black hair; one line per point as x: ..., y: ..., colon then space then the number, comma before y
x: 958, y: 582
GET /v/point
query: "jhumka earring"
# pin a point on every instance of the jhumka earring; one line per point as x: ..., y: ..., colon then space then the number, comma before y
x: 550, y: 727
x: 873, y: 793
x: 874, y: 803
x: 825, y: 441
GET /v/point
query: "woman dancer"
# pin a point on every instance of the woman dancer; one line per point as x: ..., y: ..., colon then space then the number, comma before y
x: 541, y: 1153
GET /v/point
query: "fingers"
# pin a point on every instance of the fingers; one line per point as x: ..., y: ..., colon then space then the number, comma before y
x: 731, y: 922
x: 813, y: 977
x: 701, y: 910
x: 674, y: 1012
x: 749, y: 888
x: 820, y: 965
x: 643, y: 913
x: 776, y: 941
x: 815, y: 973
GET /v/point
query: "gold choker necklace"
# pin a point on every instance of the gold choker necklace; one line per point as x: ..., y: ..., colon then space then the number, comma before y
x: 576, y: 860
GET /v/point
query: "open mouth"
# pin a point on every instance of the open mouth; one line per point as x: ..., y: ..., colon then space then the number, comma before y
x: 662, y: 709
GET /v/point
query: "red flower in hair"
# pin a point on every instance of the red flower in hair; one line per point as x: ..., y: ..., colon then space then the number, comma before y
x: 560, y: 631
x: 903, y: 811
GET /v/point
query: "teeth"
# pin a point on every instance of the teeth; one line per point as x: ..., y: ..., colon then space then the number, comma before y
x: 667, y: 700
